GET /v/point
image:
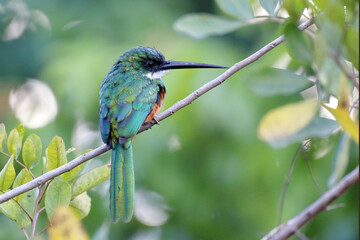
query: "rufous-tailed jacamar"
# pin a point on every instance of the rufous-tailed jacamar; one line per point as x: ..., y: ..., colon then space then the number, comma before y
x: 130, y: 95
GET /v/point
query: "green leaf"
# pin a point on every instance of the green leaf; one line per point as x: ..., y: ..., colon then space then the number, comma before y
x: 317, y: 128
x: 298, y: 44
x: 341, y: 159
x: 23, y: 177
x: 295, y: 8
x: 58, y: 194
x: 73, y: 173
x: 200, y: 26
x: 31, y: 150
x: 281, y: 124
x: 272, y: 81
x: 13, y: 211
x: 55, y: 154
x: 269, y: 5
x: 7, y: 174
x: 352, y: 45
x: 236, y: 8
x: 81, y: 205
x: 14, y: 142
x: 21, y: 131
x: 91, y: 179
x: 320, y: 49
x: 3, y: 135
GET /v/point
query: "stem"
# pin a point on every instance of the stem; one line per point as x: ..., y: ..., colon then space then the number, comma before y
x: 287, y: 181
x: 37, y: 212
x: 17, y: 202
x: 26, y: 235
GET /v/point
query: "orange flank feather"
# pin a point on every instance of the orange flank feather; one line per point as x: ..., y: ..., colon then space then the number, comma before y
x: 156, y: 107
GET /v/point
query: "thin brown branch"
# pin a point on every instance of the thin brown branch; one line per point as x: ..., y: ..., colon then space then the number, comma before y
x: 17, y: 202
x: 290, y: 227
x: 168, y: 112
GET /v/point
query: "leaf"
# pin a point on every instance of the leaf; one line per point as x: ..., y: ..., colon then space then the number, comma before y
x: 269, y: 5
x: 65, y: 225
x: 14, y: 143
x: 341, y: 159
x: 21, y: 131
x: 7, y: 174
x: 55, y: 154
x: 298, y: 44
x: 320, y: 49
x: 31, y: 150
x: 3, y: 135
x: 13, y: 211
x: 91, y: 179
x: 343, y: 117
x: 329, y: 76
x: 58, y: 194
x: 317, y: 128
x: 280, y: 124
x: 202, y: 25
x: 73, y: 173
x: 81, y: 205
x: 352, y: 45
x: 236, y: 8
x: 23, y: 177
x: 272, y: 81
x: 295, y: 8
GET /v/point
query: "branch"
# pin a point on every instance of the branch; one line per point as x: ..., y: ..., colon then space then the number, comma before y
x: 168, y: 112
x: 290, y: 227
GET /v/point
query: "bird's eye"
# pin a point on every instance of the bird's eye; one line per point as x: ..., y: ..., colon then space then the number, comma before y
x: 150, y: 64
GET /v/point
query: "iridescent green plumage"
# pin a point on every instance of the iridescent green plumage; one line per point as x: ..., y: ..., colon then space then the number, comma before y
x: 130, y: 95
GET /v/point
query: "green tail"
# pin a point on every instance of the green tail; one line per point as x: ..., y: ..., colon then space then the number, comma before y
x: 122, y: 183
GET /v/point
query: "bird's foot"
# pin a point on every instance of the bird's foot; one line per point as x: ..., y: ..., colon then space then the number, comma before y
x: 156, y: 121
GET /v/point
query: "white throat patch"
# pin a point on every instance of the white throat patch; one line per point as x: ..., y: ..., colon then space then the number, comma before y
x: 156, y: 75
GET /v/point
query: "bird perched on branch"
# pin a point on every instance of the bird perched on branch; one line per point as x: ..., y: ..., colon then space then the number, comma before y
x: 130, y: 95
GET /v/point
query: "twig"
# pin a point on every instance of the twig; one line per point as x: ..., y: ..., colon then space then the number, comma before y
x: 17, y: 202
x: 168, y: 112
x: 37, y: 212
x: 290, y: 227
x: 287, y: 181
x: 26, y: 235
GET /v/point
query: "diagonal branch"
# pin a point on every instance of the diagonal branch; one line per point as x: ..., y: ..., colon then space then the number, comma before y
x: 290, y: 227
x: 168, y: 112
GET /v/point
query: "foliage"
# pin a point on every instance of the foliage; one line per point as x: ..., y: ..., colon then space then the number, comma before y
x: 58, y: 192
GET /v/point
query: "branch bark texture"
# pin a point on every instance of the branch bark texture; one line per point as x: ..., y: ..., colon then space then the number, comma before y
x: 168, y: 112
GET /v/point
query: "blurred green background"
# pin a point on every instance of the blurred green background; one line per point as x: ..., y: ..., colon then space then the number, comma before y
x: 203, y: 173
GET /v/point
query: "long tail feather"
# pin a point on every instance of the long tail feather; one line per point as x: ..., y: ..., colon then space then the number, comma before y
x: 122, y: 183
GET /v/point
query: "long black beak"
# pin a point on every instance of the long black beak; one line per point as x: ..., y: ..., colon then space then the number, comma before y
x: 182, y: 65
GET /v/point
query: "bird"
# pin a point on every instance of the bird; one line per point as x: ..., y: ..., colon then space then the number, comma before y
x: 130, y: 95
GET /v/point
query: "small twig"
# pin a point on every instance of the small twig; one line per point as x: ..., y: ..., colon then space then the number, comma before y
x: 37, y: 212
x: 288, y: 228
x: 343, y: 67
x: 39, y: 233
x: 287, y: 181
x: 26, y: 234
x: 317, y: 185
x: 5, y: 154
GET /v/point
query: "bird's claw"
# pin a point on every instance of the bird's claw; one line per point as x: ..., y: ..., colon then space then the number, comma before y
x: 156, y: 121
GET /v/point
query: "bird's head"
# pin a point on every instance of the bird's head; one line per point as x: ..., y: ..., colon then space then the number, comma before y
x: 151, y: 62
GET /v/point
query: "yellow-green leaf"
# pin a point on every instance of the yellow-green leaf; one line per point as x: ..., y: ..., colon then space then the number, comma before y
x: 7, y: 174
x: 14, y: 142
x: 23, y: 177
x: 21, y: 131
x: 66, y: 225
x: 81, y: 205
x: 343, y: 117
x: 58, y: 194
x: 285, y: 121
x: 55, y: 154
x: 31, y: 150
x: 3, y: 135
x: 91, y: 179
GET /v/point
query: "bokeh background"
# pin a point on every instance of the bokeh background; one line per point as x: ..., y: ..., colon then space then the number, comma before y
x: 203, y: 173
